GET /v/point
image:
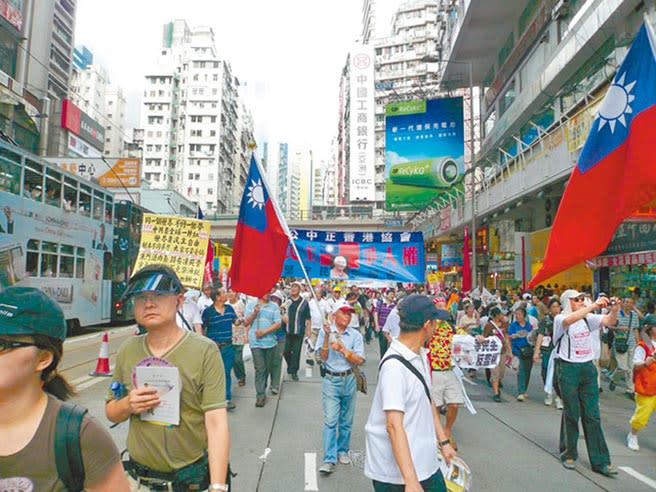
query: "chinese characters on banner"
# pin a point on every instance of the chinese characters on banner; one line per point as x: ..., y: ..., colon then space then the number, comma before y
x: 395, y: 256
x: 469, y: 354
x: 176, y: 242
x: 362, y: 169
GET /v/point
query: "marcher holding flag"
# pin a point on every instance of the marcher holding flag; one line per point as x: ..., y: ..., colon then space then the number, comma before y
x: 616, y: 171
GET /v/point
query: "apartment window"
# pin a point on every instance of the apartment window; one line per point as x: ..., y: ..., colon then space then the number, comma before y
x: 152, y: 93
x: 149, y: 148
x: 195, y: 77
x: 215, y: 77
x: 160, y: 93
x: 159, y: 134
x: 210, y: 191
x: 158, y: 148
x: 212, y: 133
x: 213, y: 119
x: 216, y: 64
x: 191, y: 177
x: 210, y: 177
x: 197, y: 177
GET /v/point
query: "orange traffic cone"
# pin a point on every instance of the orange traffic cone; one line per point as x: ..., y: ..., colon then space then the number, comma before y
x: 102, y: 366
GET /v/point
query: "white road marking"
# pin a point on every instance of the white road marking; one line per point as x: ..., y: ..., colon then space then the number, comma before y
x: 86, y: 382
x: 639, y: 476
x: 311, y: 472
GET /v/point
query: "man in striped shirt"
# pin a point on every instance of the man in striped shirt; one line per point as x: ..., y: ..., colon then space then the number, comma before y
x: 627, y: 336
x: 217, y: 322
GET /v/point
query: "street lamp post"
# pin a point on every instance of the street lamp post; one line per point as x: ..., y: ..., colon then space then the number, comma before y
x: 470, y: 66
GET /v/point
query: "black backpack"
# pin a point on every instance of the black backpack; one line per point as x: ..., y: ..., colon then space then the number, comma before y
x: 68, y: 452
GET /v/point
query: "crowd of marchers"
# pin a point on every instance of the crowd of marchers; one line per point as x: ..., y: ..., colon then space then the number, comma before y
x: 206, y: 338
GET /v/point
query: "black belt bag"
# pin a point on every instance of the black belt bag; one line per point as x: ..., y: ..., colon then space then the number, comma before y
x: 192, y: 477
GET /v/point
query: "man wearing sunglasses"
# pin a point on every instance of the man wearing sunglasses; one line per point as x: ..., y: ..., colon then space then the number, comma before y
x: 193, y: 454
x: 576, y: 374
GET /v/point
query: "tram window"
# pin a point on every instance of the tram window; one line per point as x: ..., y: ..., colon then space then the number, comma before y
x: 120, y: 215
x: 66, y: 265
x: 84, y: 205
x: 53, y: 188
x: 33, y: 185
x: 70, y: 195
x: 48, y: 259
x: 32, y: 262
x: 98, y: 205
x: 9, y: 176
x: 79, y: 263
x: 109, y: 205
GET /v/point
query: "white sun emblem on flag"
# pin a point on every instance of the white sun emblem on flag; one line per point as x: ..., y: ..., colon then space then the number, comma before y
x: 616, y: 104
x: 256, y: 194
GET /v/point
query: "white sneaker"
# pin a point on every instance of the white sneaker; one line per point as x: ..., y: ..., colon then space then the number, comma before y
x: 632, y: 442
x: 548, y: 400
x: 326, y: 468
x: 559, y: 403
x: 343, y: 458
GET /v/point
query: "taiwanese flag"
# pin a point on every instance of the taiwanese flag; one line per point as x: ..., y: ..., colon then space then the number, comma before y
x: 260, y: 244
x: 616, y: 171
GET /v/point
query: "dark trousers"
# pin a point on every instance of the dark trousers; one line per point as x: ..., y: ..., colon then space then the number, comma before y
x: 524, y: 373
x: 238, y: 365
x: 580, y: 394
x: 432, y: 484
x: 293, y: 346
x: 382, y: 342
x: 263, y: 360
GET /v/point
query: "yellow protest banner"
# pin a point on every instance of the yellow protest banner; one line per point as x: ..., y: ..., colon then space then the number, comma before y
x: 176, y: 242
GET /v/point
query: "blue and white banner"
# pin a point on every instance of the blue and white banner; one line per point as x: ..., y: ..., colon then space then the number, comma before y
x: 396, y: 256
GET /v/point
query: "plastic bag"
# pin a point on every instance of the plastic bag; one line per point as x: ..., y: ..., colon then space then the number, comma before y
x: 247, y: 354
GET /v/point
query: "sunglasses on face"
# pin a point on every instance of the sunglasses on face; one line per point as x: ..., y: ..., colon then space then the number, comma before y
x: 7, y: 345
x: 578, y: 299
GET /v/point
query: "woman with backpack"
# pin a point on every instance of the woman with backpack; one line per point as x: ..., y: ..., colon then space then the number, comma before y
x: 576, y: 376
x: 38, y: 449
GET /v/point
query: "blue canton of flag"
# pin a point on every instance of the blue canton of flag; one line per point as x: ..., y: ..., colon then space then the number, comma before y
x: 252, y: 211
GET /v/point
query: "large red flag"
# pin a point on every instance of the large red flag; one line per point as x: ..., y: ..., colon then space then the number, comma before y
x: 261, y: 242
x: 616, y: 171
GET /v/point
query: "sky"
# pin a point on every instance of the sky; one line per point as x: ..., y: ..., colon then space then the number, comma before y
x: 291, y: 51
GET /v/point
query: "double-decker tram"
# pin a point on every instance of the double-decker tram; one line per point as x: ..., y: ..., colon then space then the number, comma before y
x: 56, y: 234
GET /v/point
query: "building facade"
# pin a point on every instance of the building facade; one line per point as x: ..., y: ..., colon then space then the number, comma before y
x: 190, y: 119
x: 543, y: 68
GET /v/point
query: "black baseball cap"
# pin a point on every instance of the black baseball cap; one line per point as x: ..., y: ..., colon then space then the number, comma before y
x: 29, y: 311
x: 416, y: 309
x: 153, y: 278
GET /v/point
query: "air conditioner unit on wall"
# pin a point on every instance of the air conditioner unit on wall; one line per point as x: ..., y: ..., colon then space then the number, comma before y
x: 560, y: 10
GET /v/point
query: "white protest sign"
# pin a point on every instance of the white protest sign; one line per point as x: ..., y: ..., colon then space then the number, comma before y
x: 469, y: 354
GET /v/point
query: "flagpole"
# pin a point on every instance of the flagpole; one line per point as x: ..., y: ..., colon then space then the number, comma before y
x: 282, y: 219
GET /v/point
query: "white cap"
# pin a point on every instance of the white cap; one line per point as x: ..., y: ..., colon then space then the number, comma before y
x: 527, y: 296
x: 567, y: 295
x: 343, y: 306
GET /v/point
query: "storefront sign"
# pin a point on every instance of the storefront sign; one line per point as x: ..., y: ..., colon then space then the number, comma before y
x: 12, y: 10
x: 110, y: 173
x: 396, y: 256
x: 451, y: 256
x: 80, y: 148
x: 645, y: 258
x: 77, y: 121
x: 631, y: 237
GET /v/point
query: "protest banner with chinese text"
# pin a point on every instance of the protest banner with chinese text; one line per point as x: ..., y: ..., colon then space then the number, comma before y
x: 469, y: 354
x: 177, y: 242
x: 395, y: 256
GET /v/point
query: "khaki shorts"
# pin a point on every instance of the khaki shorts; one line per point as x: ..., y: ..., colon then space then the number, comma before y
x: 496, y: 374
x: 446, y: 388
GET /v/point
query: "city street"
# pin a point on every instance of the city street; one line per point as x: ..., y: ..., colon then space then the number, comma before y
x: 510, y: 446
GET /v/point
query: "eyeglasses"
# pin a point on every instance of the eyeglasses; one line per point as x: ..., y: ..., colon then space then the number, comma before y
x: 146, y: 297
x: 7, y: 345
x: 578, y: 299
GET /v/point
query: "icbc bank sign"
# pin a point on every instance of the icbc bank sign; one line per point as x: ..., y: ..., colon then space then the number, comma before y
x: 77, y: 121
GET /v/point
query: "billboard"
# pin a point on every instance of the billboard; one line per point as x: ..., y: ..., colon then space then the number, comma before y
x: 390, y: 256
x: 362, y: 167
x: 77, y: 121
x: 424, y: 151
x: 110, y: 173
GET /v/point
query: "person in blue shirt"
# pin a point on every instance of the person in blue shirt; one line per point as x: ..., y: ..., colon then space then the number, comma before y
x: 517, y: 332
x: 263, y: 319
x: 340, y: 348
x: 217, y: 324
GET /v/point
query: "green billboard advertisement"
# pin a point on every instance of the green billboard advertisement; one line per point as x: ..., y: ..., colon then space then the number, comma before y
x: 424, y: 152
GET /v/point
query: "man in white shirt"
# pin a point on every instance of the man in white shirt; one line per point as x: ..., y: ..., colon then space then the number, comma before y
x: 577, y: 378
x: 205, y: 298
x: 392, y: 326
x: 403, y: 429
x: 191, y: 314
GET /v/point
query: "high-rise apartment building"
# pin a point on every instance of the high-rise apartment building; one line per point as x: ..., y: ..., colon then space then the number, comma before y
x: 114, y: 121
x: 190, y: 118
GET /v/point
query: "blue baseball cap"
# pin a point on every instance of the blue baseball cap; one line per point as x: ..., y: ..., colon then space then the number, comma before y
x: 29, y: 311
x: 153, y: 278
x: 416, y: 309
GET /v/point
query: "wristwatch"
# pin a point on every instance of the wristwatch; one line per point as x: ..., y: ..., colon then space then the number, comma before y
x: 219, y: 486
x: 444, y: 443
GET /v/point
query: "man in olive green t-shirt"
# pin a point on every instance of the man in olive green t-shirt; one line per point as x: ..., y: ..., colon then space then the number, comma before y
x: 203, y: 421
